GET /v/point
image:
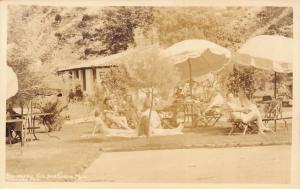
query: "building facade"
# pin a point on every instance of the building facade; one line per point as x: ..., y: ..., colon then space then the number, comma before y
x: 88, y: 73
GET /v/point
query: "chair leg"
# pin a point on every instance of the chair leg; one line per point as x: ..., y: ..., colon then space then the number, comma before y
x: 240, y: 126
x: 245, y: 129
x: 94, y: 130
x: 232, y: 128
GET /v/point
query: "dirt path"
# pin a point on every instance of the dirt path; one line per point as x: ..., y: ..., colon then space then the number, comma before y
x: 269, y: 164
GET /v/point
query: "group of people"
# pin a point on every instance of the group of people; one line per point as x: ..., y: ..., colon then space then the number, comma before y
x: 129, y: 121
x: 124, y: 118
x: 239, y: 108
x: 198, y: 92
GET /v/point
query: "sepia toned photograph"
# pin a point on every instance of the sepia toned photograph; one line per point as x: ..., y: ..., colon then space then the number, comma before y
x: 149, y: 94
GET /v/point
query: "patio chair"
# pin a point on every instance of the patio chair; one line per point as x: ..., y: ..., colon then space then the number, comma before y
x: 252, y: 127
x: 211, y: 117
x: 273, y: 112
x: 238, y: 124
x: 194, y: 115
x: 189, y: 114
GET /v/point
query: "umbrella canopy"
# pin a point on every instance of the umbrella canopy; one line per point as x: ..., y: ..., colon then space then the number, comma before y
x: 196, y: 58
x: 11, y: 82
x: 268, y: 52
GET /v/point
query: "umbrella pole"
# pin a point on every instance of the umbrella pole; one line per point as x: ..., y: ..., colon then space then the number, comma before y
x: 190, y: 72
x: 275, y: 89
x: 191, y: 91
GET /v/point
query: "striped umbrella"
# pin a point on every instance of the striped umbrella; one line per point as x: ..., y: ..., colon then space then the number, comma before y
x: 267, y: 52
x: 195, y: 58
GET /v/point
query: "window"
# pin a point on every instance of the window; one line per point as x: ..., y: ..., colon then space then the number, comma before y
x: 101, y: 74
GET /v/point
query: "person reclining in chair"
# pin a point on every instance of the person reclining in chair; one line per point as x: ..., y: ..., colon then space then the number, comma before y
x: 111, y: 113
x: 99, y: 123
x: 245, y: 110
x: 216, y: 102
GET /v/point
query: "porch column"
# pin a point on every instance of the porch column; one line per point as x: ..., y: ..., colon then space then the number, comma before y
x: 80, y: 74
x: 73, y: 79
x: 89, y: 81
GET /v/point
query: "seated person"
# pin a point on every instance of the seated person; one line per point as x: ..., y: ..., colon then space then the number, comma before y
x: 11, y: 114
x: 246, y: 111
x: 129, y: 110
x: 71, y: 96
x: 78, y: 93
x: 155, y: 126
x: 178, y: 95
x: 99, y: 123
x: 111, y: 113
x: 197, y: 90
x: 216, y: 102
x: 234, y: 106
x: 186, y: 91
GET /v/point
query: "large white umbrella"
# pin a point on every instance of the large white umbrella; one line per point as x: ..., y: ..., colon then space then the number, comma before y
x: 11, y: 82
x: 267, y: 52
x: 195, y: 58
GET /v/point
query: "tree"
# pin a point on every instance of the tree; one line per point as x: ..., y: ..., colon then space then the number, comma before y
x: 113, y: 29
x: 46, y: 38
x: 117, y: 80
x: 151, y: 70
x: 241, y: 79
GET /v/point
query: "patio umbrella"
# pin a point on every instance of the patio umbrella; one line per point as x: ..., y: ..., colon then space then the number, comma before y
x: 11, y: 82
x: 195, y: 58
x: 267, y: 52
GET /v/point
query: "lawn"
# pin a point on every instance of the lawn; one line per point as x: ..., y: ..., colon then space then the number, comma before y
x: 56, y: 156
